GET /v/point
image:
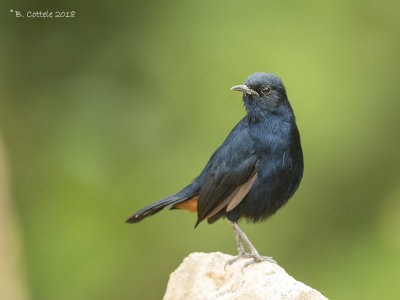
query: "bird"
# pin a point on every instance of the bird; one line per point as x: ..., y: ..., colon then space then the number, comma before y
x: 254, y: 172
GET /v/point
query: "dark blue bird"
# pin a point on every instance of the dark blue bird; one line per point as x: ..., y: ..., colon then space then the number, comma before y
x: 253, y: 173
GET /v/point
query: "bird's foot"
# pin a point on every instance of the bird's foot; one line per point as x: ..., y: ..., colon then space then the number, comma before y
x: 236, y: 258
x: 256, y: 258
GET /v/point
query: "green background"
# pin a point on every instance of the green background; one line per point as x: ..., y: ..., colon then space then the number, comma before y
x: 122, y: 105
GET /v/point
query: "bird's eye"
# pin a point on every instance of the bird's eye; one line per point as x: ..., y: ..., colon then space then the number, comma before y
x: 266, y: 90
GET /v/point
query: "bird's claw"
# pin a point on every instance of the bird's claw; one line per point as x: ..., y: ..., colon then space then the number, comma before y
x: 236, y: 258
x: 256, y: 258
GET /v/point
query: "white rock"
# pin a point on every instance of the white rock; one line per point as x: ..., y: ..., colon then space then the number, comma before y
x: 201, y: 276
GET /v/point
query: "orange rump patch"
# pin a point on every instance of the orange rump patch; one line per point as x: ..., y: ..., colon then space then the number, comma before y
x: 189, y: 205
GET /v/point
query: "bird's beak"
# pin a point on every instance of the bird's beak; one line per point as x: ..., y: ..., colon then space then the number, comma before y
x: 244, y: 89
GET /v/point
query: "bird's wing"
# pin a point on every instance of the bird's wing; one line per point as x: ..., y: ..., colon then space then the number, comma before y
x: 229, y: 174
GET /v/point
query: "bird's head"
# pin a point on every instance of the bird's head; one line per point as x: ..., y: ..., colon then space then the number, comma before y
x: 263, y: 92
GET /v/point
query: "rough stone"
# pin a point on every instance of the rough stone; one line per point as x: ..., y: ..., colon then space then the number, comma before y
x: 202, y: 276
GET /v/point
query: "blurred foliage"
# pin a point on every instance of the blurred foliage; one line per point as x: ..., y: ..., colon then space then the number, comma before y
x: 107, y: 112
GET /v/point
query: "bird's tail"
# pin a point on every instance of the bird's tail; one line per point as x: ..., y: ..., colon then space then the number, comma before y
x: 185, y: 194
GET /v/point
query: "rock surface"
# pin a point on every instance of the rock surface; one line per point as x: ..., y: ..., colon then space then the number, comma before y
x: 201, y: 276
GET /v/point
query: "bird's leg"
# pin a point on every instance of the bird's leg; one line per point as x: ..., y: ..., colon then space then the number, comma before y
x: 241, y: 236
x: 254, y: 253
x: 241, y: 251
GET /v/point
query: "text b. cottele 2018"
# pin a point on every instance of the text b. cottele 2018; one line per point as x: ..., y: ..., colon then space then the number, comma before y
x: 44, y: 14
